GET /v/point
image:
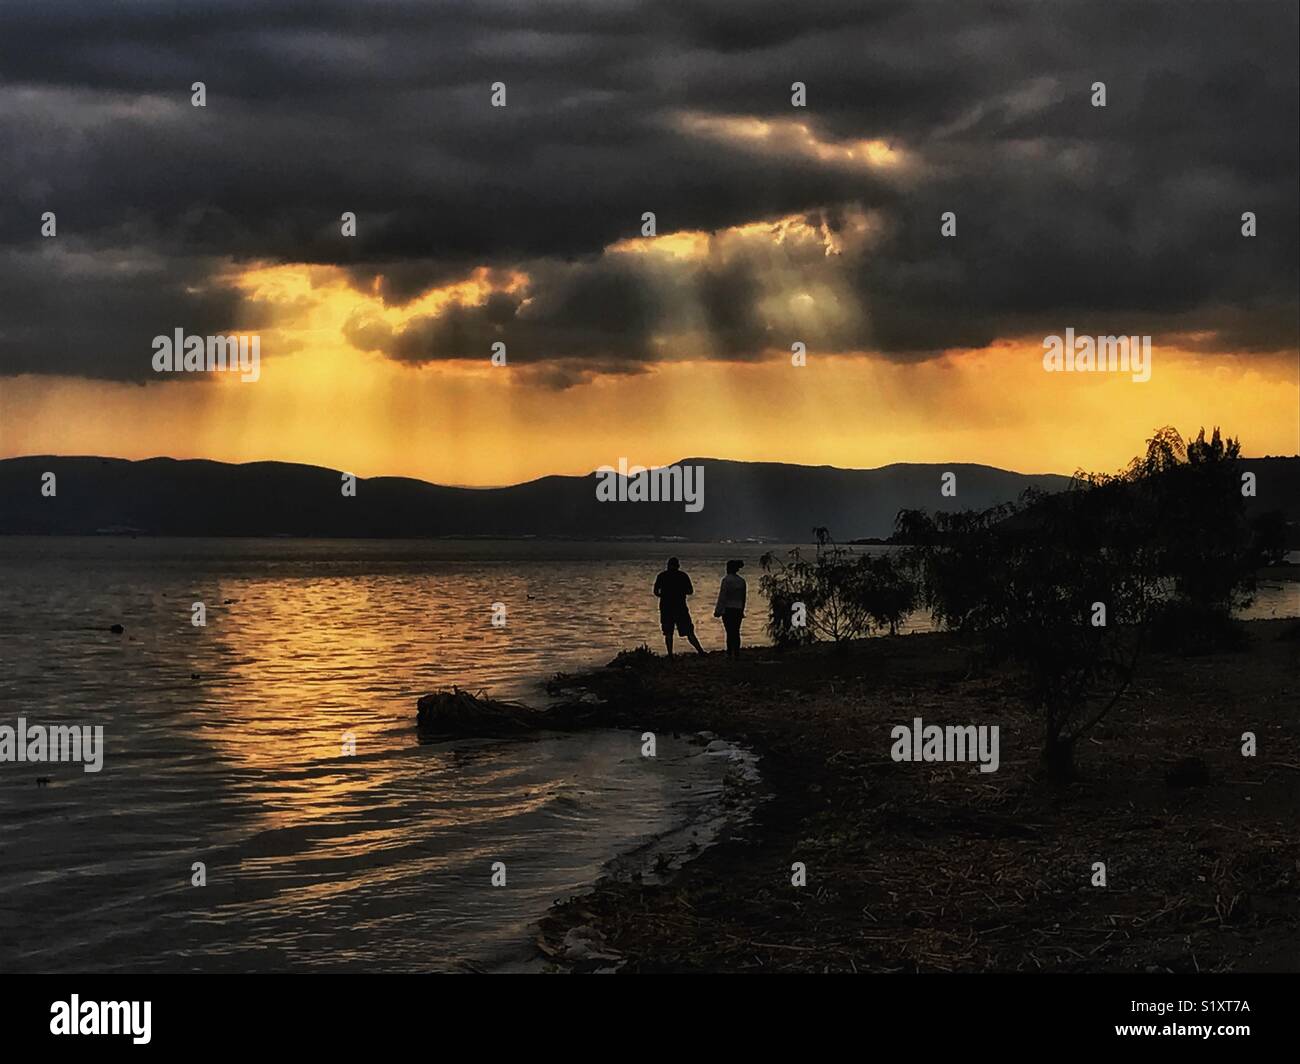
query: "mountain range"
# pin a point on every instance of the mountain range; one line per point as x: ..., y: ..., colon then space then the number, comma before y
x: 742, y: 500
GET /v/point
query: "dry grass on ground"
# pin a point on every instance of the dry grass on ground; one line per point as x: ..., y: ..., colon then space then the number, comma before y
x: 937, y: 867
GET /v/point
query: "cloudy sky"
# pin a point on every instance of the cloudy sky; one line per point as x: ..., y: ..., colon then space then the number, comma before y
x: 522, y: 224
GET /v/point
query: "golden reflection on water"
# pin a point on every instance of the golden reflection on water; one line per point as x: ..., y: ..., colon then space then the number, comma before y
x: 223, y: 745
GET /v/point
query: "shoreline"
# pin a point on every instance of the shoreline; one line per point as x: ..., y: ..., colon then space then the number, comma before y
x: 655, y: 862
x: 935, y: 867
x: 718, y: 796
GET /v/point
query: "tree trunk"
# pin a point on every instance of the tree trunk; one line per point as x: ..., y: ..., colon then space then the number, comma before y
x: 1058, y: 757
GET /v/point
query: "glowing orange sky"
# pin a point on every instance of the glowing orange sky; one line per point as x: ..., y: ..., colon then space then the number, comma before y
x: 479, y: 426
x: 321, y: 401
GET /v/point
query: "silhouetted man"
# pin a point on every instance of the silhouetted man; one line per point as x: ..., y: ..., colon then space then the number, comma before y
x: 671, y: 588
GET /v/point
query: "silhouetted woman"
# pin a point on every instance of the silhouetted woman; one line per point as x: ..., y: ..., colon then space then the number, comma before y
x: 731, y: 605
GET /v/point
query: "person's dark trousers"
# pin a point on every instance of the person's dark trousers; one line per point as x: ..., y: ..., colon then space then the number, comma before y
x: 731, y: 622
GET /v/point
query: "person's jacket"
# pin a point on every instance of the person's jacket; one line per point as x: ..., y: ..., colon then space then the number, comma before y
x: 731, y: 594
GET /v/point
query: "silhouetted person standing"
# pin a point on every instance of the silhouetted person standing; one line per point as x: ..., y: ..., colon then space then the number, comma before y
x: 731, y: 605
x: 672, y: 586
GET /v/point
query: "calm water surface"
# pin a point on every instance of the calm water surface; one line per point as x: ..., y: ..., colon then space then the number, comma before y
x: 224, y: 747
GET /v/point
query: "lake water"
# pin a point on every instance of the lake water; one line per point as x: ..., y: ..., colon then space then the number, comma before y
x: 224, y: 746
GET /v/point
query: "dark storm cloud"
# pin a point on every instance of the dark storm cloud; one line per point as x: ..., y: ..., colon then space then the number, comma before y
x: 95, y: 313
x: 1067, y: 214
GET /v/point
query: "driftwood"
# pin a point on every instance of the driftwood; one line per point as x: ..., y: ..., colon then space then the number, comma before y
x: 458, y: 714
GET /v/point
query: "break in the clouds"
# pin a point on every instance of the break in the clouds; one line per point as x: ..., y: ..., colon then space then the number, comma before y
x: 818, y: 224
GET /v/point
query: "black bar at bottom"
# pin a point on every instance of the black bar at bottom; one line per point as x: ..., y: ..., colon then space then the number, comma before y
x: 468, y: 1015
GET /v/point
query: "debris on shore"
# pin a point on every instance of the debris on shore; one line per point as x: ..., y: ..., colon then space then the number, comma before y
x: 459, y: 714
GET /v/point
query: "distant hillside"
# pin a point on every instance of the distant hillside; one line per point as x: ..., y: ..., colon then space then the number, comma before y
x: 742, y: 500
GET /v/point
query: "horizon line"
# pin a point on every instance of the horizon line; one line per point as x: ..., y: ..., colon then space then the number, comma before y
x: 593, y: 472
x: 546, y: 476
